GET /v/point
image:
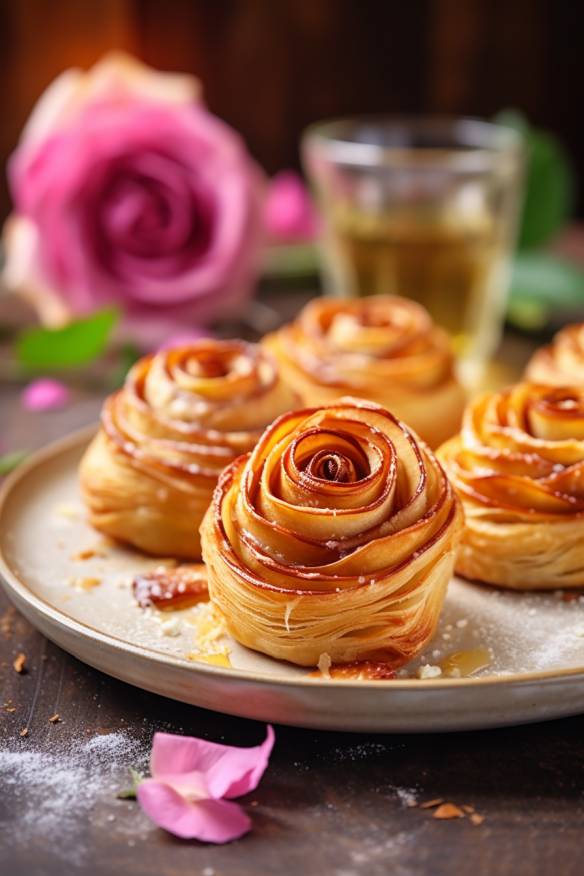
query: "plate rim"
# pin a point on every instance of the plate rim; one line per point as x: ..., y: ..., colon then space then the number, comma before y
x: 15, y: 584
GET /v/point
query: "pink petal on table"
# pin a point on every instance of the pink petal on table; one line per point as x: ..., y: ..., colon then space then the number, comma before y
x: 45, y: 394
x: 226, y: 770
x: 289, y: 212
x: 185, y: 338
x: 213, y: 821
x: 239, y: 770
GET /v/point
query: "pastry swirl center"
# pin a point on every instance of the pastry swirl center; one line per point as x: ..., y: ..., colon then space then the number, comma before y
x: 332, y: 466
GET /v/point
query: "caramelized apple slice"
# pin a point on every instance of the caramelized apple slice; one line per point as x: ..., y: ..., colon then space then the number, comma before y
x: 171, y: 589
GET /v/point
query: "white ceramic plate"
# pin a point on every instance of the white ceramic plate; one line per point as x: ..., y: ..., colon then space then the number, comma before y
x: 536, y: 641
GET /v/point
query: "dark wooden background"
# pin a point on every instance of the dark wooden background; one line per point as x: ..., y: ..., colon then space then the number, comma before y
x: 270, y: 67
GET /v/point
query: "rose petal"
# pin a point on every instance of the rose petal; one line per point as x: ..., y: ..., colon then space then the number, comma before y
x: 240, y: 769
x: 116, y: 76
x: 202, y: 172
x: 45, y: 394
x: 289, y: 211
x: 53, y: 106
x: 227, y: 771
x: 214, y: 821
x: 20, y: 273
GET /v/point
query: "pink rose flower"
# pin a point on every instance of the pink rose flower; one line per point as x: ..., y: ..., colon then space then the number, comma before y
x: 192, y: 783
x: 290, y: 215
x: 128, y: 191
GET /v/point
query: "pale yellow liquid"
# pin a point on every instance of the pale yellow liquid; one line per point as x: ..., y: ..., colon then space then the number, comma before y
x: 454, y: 267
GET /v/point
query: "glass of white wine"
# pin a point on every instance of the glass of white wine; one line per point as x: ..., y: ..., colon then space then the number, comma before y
x: 421, y: 207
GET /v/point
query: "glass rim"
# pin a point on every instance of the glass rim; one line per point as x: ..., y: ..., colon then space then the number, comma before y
x: 477, y: 144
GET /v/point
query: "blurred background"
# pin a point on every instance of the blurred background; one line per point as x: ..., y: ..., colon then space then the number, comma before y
x: 270, y: 68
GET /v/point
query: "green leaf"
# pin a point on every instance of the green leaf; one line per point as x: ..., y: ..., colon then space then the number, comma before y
x: 128, y: 356
x: 542, y: 283
x: 549, y: 191
x: 130, y: 793
x: 77, y: 343
x: 9, y: 461
x: 549, y: 182
x: 515, y: 119
x: 127, y: 794
x: 290, y: 260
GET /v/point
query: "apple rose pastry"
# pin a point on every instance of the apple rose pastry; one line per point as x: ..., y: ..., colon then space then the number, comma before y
x: 334, y: 539
x: 518, y: 465
x: 383, y: 348
x: 181, y: 417
x: 560, y: 363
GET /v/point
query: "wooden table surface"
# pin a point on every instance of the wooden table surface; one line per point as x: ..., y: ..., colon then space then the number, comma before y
x: 329, y: 803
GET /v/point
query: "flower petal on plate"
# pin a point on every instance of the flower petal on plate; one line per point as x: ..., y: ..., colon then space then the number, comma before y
x: 214, y: 821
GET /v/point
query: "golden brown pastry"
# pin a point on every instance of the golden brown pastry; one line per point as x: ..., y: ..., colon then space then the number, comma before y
x: 381, y: 348
x: 181, y: 417
x: 518, y: 466
x: 334, y: 540
x: 560, y: 363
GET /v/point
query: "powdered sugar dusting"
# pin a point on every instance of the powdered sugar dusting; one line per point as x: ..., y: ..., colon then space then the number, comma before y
x: 408, y: 797
x: 58, y: 792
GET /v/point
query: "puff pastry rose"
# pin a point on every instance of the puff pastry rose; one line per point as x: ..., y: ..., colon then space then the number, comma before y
x: 383, y: 348
x: 518, y: 465
x: 181, y: 417
x: 335, y: 538
x: 560, y: 363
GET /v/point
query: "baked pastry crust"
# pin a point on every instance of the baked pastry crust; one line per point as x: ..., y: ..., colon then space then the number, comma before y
x: 383, y: 348
x: 518, y: 466
x: 560, y: 363
x: 181, y: 417
x: 334, y: 539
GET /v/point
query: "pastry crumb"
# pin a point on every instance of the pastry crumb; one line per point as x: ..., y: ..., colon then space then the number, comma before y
x: 55, y: 719
x: 24, y: 732
x: 476, y: 819
x: 431, y: 804
x: 86, y: 584
x: 19, y: 663
x: 170, y: 627
x: 87, y: 554
x: 448, y: 810
x: 429, y: 671
x: 66, y: 509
